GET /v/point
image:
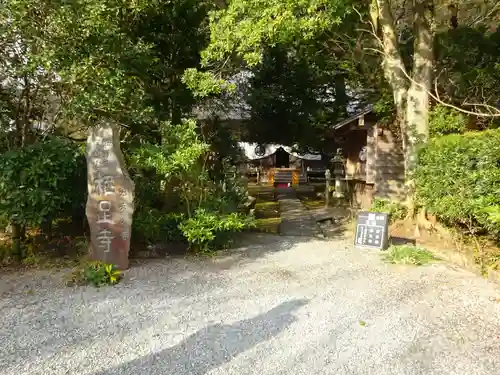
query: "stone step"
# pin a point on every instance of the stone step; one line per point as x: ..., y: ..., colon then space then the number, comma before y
x: 296, y: 220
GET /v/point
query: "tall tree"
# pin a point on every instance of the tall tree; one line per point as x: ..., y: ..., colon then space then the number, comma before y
x: 70, y: 63
x: 404, y: 34
x: 411, y: 98
x: 28, y: 81
x: 293, y: 97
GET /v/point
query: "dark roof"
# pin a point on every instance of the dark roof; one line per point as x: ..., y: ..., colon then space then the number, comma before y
x: 352, y: 118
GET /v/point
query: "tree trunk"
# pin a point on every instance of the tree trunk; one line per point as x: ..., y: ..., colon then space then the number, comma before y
x: 394, y: 68
x: 341, y: 94
x: 417, y: 108
x: 411, y: 100
x: 46, y: 228
x: 18, y: 237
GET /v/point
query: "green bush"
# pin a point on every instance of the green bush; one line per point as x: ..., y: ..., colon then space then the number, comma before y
x: 207, y: 231
x: 42, y: 180
x: 458, y: 179
x: 396, y: 211
x: 153, y: 226
x: 195, y: 182
x: 444, y: 120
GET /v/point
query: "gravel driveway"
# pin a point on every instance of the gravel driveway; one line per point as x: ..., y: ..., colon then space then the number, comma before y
x: 281, y: 306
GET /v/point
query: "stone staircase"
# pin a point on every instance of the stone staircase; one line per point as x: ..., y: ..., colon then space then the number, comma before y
x: 285, y: 176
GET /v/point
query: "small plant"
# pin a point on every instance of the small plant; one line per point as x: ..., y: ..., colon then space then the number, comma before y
x: 396, y: 210
x: 411, y: 255
x: 95, y: 273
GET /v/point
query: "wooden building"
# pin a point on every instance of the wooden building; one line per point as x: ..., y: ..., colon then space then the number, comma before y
x: 275, y: 164
x: 374, y: 161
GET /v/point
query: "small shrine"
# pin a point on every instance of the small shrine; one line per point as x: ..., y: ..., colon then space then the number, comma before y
x: 279, y: 165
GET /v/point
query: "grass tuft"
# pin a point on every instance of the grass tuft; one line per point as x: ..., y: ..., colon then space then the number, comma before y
x: 410, y: 255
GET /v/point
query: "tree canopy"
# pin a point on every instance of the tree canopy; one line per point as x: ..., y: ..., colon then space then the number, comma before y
x: 295, y: 68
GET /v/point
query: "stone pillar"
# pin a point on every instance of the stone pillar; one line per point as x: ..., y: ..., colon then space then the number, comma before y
x: 110, y: 202
x: 327, y: 188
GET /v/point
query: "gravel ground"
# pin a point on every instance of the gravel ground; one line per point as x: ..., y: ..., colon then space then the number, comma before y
x: 280, y: 306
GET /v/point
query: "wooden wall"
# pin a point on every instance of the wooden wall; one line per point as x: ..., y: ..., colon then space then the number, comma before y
x: 383, y: 172
x: 389, y: 166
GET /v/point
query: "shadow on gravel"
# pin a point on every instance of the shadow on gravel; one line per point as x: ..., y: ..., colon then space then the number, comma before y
x: 150, y: 286
x: 213, y: 346
x: 251, y: 247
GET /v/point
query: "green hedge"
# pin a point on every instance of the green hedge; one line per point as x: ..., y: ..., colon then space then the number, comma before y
x: 42, y: 180
x: 458, y: 179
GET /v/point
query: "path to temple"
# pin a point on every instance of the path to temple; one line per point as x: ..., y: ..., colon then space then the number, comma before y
x: 275, y: 306
x: 296, y: 220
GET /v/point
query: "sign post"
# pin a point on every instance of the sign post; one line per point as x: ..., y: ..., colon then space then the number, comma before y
x: 372, y: 230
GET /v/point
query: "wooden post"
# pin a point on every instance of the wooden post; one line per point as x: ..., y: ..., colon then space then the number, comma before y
x: 271, y: 177
x: 295, y: 177
x: 327, y: 188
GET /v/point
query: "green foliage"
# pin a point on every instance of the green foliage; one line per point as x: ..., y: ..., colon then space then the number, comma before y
x: 224, y: 150
x: 467, y: 65
x: 207, y: 231
x: 204, y: 84
x: 409, y: 255
x: 71, y: 64
x: 458, y: 179
x: 244, y: 26
x: 176, y: 32
x: 444, y: 120
x: 177, y: 165
x: 206, y: 210
x: 293, y: 98
x: 4, y: 221
x: 152, y: 225
x: 396, y: 210
x: 244, y: 29
x: 96, y: 274
x: 178, y: 155
x: 26, y: 70
x: 227, y: 198
x: 42, y: 180
x: 93, y: 57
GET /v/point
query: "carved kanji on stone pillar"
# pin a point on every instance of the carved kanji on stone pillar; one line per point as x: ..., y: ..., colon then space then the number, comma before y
x: 110, y: 203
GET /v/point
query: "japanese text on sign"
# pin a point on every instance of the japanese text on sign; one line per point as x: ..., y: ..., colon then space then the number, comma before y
x: 372, y: 230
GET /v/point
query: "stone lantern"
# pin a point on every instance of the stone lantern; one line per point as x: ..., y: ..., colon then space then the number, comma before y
x: 338, y: 163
